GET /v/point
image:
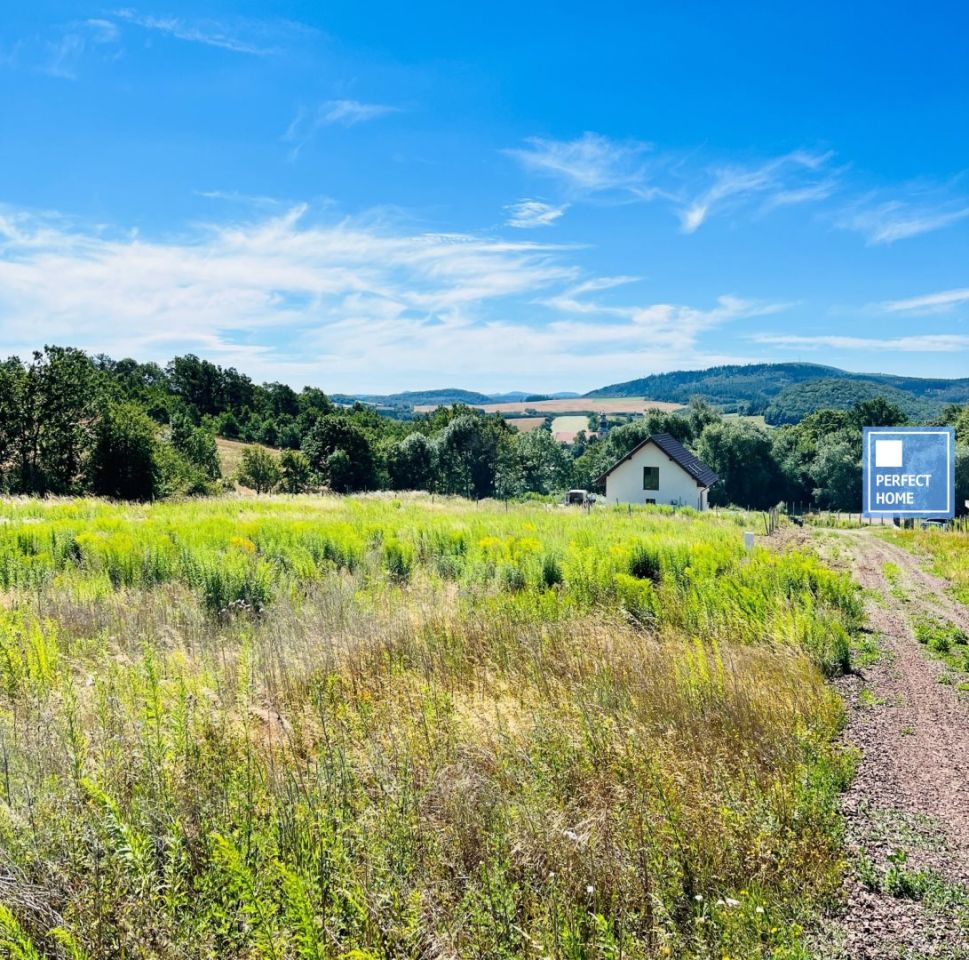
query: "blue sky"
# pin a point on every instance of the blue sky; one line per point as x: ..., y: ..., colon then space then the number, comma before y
x: 541, y: 196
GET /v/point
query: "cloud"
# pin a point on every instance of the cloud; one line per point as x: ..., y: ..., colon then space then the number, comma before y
x: 779, y: 179
x: 348, y: 305
x: 350, y: 112
x: 590, y: 164
x: 255, y: 37
x: 533, y: 213
x: 347, y: 113
x: 919, y: 343
x: 62, y: 56
x: 929, y: 303
x: 594, y: 164
x: 103, y: 31
x: 924, y: 210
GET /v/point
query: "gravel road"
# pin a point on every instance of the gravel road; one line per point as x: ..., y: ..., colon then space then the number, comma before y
x: 911, y: 791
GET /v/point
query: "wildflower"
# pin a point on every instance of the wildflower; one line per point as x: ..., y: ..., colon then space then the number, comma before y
x: 732, y: 903
x: 589, y: 888
x: 759, y: 910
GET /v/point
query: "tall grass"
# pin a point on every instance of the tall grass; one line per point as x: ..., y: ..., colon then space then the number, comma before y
x: 948, y: 550
x: 368, y: 728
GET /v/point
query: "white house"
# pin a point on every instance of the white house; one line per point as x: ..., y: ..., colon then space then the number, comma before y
x: 659, y: 470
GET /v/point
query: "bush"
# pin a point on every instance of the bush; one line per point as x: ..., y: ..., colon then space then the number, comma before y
x: 398, y: 559
x: 645, y: 564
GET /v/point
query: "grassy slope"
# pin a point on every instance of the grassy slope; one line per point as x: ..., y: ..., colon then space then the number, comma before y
x: 367, y: 728
x: 230, y: 454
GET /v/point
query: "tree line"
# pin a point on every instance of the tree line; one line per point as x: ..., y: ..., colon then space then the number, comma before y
x: 71, y: 423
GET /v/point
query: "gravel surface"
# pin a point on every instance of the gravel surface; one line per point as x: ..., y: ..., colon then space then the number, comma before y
x: 911, y: 791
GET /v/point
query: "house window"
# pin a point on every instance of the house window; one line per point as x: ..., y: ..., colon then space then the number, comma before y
x: 651, y: 478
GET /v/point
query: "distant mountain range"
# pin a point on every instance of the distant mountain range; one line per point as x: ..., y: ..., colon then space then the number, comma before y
x: 781, y: 392
x: 786, y: 392
x: 447, y: 395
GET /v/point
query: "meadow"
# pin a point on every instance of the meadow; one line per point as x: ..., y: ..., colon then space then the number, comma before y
x: 948, y: 553
x: 378, y: 727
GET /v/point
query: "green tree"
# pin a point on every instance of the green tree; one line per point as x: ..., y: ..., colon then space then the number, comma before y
x: 962, y: 477
x: 539, y: 463
x: 197, y: 445
x: 49, y: 408
x: 742, y: 456
x: 258, y: 470
x: 955, y: 416
x: 334, y: 433
x: 295, y: 471
x: 877, y: 412
x: 700, y: 415
x: 123, y: 461
x: 410, y: 463
x: 340, y: 472
x: 836, y: 472
x: 468, y: 453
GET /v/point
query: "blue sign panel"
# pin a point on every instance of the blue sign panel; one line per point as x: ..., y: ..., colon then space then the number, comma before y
x: 909, y: 472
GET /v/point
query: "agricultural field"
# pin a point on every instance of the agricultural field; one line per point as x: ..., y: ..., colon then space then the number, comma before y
x: 570, y: 424
x: 564, y: 424
x: 573, y: 405
x: 371, y: 727
x: 526, y: 424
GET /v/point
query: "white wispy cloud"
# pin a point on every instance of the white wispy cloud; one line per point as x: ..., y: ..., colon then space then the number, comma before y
x: 940, y: 302
x: 589, y: 164
x: 922, y: 209
x: 347, y: 113
x: 103, y: 31
x: 62, y: 56
x: 780, y: 180
x: 349, y: 305
x: 351, y: 112
x: 254, y: 37
x: 918, y: 343
x: 593, y: 164
x: 533, y: 213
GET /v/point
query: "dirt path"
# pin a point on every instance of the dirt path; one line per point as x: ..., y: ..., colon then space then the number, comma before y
x: 911, y: 791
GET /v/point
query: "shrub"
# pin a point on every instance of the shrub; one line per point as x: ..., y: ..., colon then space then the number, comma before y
x: 645, y: 563
x: 398, y: 559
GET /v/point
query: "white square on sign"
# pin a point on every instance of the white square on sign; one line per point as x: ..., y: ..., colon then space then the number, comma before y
x: 888, y: 453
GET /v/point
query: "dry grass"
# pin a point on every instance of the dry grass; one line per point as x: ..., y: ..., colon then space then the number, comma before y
x: 230, y: 454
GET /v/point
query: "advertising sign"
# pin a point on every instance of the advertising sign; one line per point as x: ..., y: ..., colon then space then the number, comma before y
x: 909, y: 472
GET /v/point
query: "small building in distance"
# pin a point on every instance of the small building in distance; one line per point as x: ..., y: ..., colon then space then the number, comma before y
x: 659, y: 470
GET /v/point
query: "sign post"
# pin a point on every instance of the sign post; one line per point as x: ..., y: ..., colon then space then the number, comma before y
x: 909, y: 472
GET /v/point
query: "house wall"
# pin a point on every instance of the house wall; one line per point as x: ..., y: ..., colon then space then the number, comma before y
x: 676, y: 486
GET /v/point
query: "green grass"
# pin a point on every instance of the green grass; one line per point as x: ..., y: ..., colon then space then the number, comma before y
x: 946, y: 642
x: 901, y: 881
x: 948, y: 552
x: 369, y: 727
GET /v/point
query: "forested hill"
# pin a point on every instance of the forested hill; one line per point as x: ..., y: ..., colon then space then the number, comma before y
x: 416, y: 398
x: 763, y: 388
